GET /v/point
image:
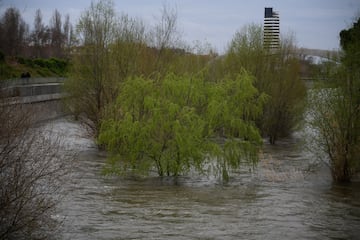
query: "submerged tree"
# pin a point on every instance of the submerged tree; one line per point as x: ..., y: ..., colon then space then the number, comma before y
x: 172, y: 124
x: 335, y: 110
x: 277, y: 74
x: 112, y: 49
x: 152, y: 131
x: 91, y: 80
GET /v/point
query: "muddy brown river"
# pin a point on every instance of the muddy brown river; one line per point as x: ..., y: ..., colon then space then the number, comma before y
x: 287, y: 196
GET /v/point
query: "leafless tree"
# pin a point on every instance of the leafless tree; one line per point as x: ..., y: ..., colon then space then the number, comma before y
x: 57, y: 35
x: 38, y: 35
x: 92, y: 71
x: 13, y: 33
x: 33, y: 167
x: 165, y: 36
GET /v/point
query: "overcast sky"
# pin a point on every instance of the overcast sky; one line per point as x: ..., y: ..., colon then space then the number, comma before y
x: 315, y: 23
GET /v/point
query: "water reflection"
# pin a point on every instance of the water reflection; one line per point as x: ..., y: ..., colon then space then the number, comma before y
x: 268, y: 203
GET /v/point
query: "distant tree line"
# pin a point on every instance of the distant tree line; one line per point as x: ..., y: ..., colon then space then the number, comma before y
x: 42, y: 41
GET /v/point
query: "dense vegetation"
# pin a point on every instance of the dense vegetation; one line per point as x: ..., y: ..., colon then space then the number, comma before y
x: 159, y: 105
x: 178, y: 123
x: 155, y: 103
x: 109, y: 53
x: 14, y: 67
x: 335, y: 109
x: 277, y: 74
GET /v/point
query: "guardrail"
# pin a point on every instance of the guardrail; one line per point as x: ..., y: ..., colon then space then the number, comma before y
x: 41, y: 96
x: 28, y: 81
x: 28, y: 90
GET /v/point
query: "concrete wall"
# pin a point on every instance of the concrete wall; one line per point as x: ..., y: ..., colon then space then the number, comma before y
x: 40, y: 96
x: 32, y: 88
x: 29, y: 81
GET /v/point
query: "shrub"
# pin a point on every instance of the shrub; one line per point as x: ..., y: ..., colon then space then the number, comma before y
x: 33, y: 168
x: 21, y: 60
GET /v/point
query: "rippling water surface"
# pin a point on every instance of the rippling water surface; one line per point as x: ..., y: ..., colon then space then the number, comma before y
x: 284, y: 198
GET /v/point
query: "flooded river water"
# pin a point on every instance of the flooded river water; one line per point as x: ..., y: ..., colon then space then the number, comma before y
x: 283, y: 198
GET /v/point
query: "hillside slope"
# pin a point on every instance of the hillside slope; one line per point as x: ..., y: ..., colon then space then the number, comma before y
x: 15, y: 67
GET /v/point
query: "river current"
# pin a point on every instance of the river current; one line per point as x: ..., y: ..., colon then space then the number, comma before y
x: 287, y: 196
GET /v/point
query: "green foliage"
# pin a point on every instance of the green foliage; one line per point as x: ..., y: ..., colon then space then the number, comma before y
x: 55, y: 65
x: 114, y: 49
x: 349, y: 38
x: 173, y: 124
x: 233, y: 107
x: 149, y: 119
x: 155, y: 127
x: 14, y: 67
x: 285, y: 109
x: 335, y: 110
x: 94, y: 73
x: 350, y: 43
x: 335, y: 115
x: 277, y: 74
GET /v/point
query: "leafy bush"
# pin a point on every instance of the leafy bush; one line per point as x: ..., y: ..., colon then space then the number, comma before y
x: 59, y: 65
x: 40, y: 62
x: 52, y: 66
x: 21, y: 60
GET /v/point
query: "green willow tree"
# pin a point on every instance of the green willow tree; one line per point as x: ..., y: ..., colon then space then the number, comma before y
x: 277, y: 74
x: 233, y: 107
x: 335, y: 110
x: 180, y: 123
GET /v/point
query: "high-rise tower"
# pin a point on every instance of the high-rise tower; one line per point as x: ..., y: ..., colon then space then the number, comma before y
x: 271, y: 29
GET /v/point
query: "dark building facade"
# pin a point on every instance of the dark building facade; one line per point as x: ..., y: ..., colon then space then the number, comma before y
x: 271, y: 29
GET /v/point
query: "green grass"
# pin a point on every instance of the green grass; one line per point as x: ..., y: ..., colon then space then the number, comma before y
x: 13, y: 67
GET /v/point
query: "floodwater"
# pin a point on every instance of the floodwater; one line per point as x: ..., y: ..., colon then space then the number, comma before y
x: 285, y: 197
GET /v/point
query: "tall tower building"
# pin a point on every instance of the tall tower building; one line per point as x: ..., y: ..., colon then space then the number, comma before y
x: 271, y: 29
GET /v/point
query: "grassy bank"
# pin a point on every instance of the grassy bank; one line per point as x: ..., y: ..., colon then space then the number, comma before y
x: 14, y: 67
